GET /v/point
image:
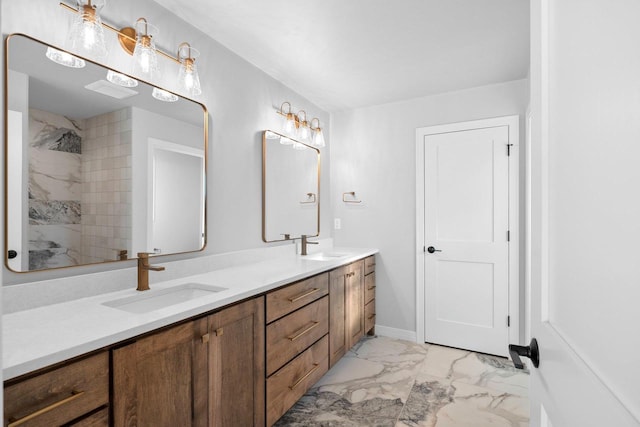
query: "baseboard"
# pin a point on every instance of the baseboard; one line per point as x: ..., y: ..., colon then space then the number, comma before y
x: 401, y: 334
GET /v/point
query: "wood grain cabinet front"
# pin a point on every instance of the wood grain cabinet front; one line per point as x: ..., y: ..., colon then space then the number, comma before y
x: 290, y: 298
x: 59, y: 396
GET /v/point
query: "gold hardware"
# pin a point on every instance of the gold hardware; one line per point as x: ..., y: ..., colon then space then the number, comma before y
x: 311, y: 198
x: 371, y: 288
x: 143, y: 270
x: 126, y: 36
x: 205, y: 338
x: 219, y: 332
x: 372, y: 316
x: 303, y: 244
x: 304, y: 331
x: 74, y: 395
x: 304, y: 295
x: 294, y: 385
x: 352, y: 194
x: 123, y: 254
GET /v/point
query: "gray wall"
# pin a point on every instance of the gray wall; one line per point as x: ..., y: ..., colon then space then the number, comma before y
x: 373, y: 154
x: 240, y: 99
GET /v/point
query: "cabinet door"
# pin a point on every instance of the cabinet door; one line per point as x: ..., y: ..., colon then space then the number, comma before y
x: 161, y: 380
x: 337, y: 312
x: 236, y: 365
x: 355, y: 302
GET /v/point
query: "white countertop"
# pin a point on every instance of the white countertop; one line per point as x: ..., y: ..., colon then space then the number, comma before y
x: 36, y: 338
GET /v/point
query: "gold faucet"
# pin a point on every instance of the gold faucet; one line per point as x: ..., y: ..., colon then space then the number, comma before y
x: 305, y: 242
x: 143, y: 270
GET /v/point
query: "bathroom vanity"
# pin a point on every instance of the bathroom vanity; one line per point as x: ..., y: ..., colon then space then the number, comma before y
x: 240, y: 356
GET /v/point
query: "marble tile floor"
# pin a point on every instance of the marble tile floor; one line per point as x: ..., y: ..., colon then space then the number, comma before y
x: 387, y: 382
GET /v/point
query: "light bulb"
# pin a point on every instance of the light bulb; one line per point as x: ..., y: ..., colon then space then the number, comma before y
x: 304, y: 133
x: 163, y: 95
x: 318, y: 138
x: 188, y: 79
x: 121, y: 79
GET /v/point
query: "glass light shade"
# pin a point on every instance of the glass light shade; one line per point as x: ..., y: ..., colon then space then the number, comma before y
x: 121, y: 79
x: 64, y: 58
x: 304, y: 132
x: 87, y: 35
x: 318, y: 138
x: 289, y: 124
x: 298, y: 146
x: 163, y: 95
x: 188, y: 79
x: 145, y: 57
x: 285, y: 141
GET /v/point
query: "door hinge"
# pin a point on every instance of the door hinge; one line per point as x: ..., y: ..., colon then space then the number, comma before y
x: 508, y: 321
x: 509, y: 149
x: 508, y: 235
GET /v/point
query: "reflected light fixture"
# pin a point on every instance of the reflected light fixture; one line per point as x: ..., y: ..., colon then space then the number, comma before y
x: 188, y: 79
x: 145, y: 58
x: 296, y: 126
x: 318, y: 138
x: 163, y: 95
x: 121, y: 79
x: 86, y: 36
x: 64, y: 58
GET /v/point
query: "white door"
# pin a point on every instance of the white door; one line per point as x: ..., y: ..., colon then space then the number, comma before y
x: 177, y: 198
x: 466, y: 238
x: 584, y: 204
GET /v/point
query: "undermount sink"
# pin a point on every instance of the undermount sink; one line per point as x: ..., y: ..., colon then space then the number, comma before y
x: 325, y: 256
x: 152, y: 300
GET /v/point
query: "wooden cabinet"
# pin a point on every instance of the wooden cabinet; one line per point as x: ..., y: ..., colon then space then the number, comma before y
x: 206, y: 372
x: 346, y: 311
x: 59, y: 396
x: 236, y: 365
x: 297, y: 342
x: 161, y: 380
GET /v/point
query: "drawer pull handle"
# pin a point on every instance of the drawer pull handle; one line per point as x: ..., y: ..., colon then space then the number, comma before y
x: 304, y: 331
x: 304, y: 295
x: 294, y: 385
x: 372, y: 316
x: 371, y: 288
x: 74, y: 396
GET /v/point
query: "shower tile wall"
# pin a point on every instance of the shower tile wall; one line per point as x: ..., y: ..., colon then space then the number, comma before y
x: 106, y: 187
x: 54, y: 190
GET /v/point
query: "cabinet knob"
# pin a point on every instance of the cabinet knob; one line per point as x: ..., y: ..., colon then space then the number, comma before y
x: 205, y: 338
x: 219, y: 332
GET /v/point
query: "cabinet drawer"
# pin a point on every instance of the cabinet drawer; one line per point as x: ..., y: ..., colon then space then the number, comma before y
x: 288, y: 299
x: 369, y: 315
x: 369, y: 287
x: 294, y: 333
x: 59, y: 396
x: 369, y: 264
x: 286, y: 386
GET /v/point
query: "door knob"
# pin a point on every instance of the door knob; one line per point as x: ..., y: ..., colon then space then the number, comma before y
x: 431, y: 250
x: 531, y: 351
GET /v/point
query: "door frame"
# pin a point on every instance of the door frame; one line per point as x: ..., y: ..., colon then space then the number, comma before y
x: 513, y: 123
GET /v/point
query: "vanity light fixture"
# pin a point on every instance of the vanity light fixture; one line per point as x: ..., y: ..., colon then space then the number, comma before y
x: 86, y: 35
x: 64, y: 58
x: 137, y: 41
x: 296, y: 126
x: 188, y: 79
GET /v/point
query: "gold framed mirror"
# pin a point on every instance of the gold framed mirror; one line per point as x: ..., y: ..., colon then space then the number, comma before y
x: 290, y: 188
x: 95, y: 171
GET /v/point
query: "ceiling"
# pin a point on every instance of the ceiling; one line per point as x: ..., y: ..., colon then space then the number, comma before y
x: 344, y: 54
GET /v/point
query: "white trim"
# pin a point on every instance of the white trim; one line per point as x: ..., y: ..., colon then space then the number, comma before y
x: 400, y: 334
x: 513, y: 122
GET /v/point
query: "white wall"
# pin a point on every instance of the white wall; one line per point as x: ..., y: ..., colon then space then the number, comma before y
x: 241, y: 100
x: 373, y: 154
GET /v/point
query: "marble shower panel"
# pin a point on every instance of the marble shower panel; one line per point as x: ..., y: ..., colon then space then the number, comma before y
x: 55, y: 190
